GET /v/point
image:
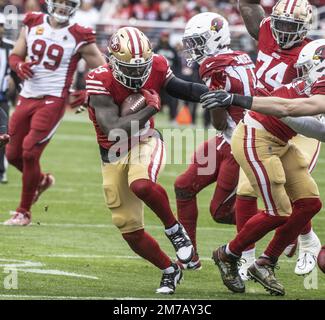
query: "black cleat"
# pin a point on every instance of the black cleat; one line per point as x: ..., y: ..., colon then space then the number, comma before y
x: 228, y: 266
x: 170, y: 280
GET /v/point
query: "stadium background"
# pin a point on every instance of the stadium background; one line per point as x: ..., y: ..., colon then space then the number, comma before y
x: 72, y: 251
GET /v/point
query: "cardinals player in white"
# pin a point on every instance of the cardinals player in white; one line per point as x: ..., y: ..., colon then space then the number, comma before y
x: 281, y: 38
x: 206, y: 40
x: 276, y: 168
x: 45, y: 57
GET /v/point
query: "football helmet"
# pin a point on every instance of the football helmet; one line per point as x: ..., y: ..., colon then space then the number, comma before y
x: 62, y: 10
x: 291, y: 20
x: 310, y: 65
x: 130, y: 56
x: 205, y: 34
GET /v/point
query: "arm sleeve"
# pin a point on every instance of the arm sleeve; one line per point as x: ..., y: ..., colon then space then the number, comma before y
x: 185, y: 90
x: 307, y: 126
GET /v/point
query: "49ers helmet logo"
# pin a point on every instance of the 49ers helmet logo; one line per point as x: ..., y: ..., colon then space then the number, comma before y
x: 320, y: 53
x: 115, y: 44
x: 216, y: 24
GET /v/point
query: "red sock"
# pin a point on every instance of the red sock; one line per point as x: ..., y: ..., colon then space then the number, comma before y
x: 187, y: 213
x: 246, y: 207
x: 155, y: 197
x: 255, y: 229
x: 303, y: 211
x: 307, y: 228
x: 31, y: 178
x: 148, y: 248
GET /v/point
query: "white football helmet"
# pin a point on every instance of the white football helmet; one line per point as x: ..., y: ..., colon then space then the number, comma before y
x: 205, y: 35
x: 62, y: 10
x: 291, y: 20
x: 310, y: 65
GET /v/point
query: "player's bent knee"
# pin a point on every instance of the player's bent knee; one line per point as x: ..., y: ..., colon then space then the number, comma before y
x: 224, y: 214
x: 182, y: 189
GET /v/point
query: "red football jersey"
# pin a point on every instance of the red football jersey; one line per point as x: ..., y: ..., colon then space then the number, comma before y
x: 276, y: 126
x: 102, y: 82
x: 232, y: 71
x: 275, y: 66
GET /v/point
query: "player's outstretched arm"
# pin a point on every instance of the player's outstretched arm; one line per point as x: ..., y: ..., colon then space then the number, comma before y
x: 185, y: 90
x: 252, y: 13
x: 107, y: 116
x: 92, y: 55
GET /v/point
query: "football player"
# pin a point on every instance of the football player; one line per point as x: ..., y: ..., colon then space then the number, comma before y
x: 131, y: 164
x: 275, y: 168
x: 45, y: 56
x: 206, y: 40
x: 281, y: 38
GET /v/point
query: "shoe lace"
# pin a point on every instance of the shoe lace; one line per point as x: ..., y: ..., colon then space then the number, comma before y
x: 167, y: 280
x: 178, y: 239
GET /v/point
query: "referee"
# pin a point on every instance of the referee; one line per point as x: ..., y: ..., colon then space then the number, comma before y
x: 7, y: 91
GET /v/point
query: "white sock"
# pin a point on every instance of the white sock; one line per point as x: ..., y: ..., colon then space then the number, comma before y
x: 168, y: 270
x: 172, y: 230
x: 307, y: 237
x: 229, y: 252
x: 249, y: 254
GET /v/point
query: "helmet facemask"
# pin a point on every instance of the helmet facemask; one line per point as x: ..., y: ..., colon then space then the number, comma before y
x: 288, y: 32
x: 303, y: 82
x: 62, y: 12
x: 132, y: 75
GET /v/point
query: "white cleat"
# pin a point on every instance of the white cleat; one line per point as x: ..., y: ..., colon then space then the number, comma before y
x: 181, y: 243
x: 169, y: 281
x: 246, y: 260
x: 308, y: 252
x: 18, y: 219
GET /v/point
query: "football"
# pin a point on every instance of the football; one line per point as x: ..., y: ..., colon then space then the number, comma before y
x: 132, y: 104
x: 321, y: 259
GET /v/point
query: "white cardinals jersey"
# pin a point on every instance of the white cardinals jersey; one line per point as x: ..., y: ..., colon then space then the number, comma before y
x: 55, y: 52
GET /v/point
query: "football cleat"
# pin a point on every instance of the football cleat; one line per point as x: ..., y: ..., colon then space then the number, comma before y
x: 169, y: 281
x: 291, y: 249
x: 262, y: 271
x: 194, y: 264
x: 182, y: 244
x: 19, y: 219
x: 307, y: 258
x: 247, y: 259
x: 47, y: 182
x: 228, y: 266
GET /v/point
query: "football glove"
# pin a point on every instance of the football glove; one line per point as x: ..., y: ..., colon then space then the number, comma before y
x: 152, y: 98
x: 216, y: 99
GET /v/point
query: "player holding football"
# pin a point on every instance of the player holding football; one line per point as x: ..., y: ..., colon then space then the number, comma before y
x: 281, y: 38
x: 206, y: 39
x: 130, y: 175
x: 275, y: 168
x: 45, y: 56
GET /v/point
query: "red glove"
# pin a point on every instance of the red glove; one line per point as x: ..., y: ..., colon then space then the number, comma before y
x: 4, y: 139
x: 152, y: 98
x: 23, y: 69
x: 80, y: 98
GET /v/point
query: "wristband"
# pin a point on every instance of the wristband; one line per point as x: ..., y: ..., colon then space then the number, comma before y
x: 245, y: 102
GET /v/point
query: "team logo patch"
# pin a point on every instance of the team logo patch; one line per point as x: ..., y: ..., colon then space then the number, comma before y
x: 216, y: 24
x: 39, y: 30
x: 319, y: 53
x: 115, y: 44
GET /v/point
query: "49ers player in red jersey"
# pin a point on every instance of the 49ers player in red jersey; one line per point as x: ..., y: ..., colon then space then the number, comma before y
x: 130, y: 174
x: 206, y: 39
x: 276, y: 169
x: 281, y: 37
x: 45, y: 56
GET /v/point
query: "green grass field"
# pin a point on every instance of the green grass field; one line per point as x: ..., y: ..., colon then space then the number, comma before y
x: 72, y: 251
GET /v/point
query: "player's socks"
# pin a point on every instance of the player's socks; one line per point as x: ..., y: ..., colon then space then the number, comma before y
x: 247, y: 259
x: 255, y: 229
x: 187, y: 213
x: 303, y: 211
x: 155, y: 197
x: 307, y: 229
x: 246, y: 207
x: 148, y: 248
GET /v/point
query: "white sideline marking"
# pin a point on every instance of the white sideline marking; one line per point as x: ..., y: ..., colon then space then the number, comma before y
x: 76, y: 256
x: 80, y: 298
